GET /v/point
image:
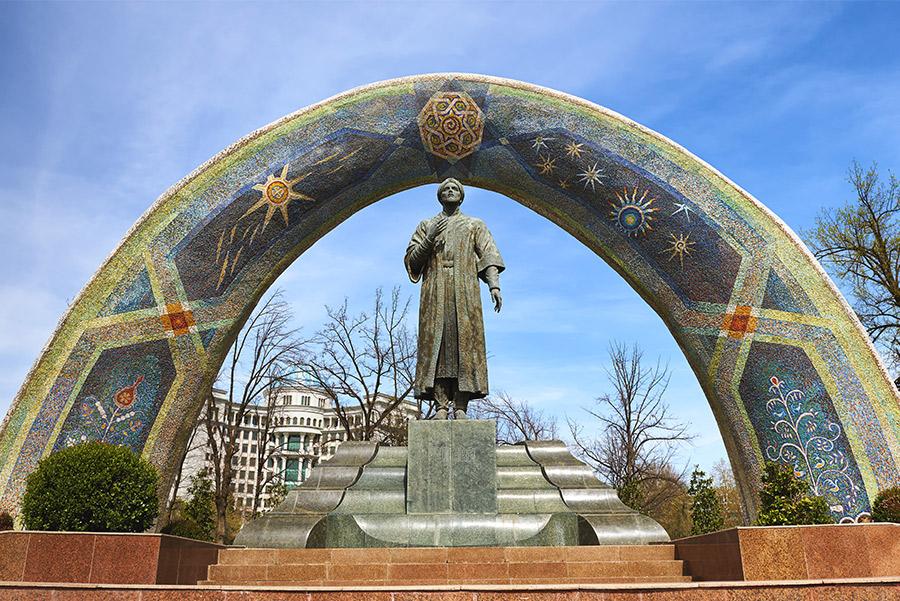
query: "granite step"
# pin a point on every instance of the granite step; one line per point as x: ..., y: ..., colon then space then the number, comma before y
x: 437, y: 582
x: 446, y: 554
x: 390, y: 567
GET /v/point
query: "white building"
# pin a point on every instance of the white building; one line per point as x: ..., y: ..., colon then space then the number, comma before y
x: 305, y: 430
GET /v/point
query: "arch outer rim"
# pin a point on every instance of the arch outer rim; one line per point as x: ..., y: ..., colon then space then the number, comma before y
x: 44, y: 360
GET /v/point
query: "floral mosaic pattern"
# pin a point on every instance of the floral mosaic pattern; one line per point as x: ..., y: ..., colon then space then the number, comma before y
x: 809, y: 442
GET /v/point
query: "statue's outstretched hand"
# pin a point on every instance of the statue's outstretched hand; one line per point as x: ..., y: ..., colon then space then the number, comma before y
x: 498, y: 300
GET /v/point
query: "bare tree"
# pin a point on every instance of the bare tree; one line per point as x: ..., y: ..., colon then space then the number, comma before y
x: 268, y: 447
x: 260, y: 361
x: 365, y: 364
x: 194, y: 442
x: 726, y: 489
x: 636, y: 448
x: 860, y: 243
x: 516, y: 420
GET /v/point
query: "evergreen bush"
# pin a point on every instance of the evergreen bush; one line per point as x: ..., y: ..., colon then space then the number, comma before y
x: 706, y: 508
x: 886, y: 507
x: 91, y: 487
x: 6, y: 521
x: 201, y: 507
x: 785, y: 500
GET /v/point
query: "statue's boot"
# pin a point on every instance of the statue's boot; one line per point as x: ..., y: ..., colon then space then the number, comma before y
x: 441, y: 414
x: 460, y: 414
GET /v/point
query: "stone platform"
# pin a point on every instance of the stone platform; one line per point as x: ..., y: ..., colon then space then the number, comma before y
x: 104, y: 557
x: 805, y: 590
x: 400, y: 567
x: 451, y: 487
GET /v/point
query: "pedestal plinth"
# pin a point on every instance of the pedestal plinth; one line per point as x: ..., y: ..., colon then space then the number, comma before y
x: 451, y: 487
x: 452, y: 467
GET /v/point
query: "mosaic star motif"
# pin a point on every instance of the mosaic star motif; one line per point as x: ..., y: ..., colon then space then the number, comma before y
x: 540, y: 142
x: 451, y: 125
x: 573, y: 150
x: 680, y: 246
x: 277, y: 194
x: 631, y: 214
x: 546, y: 165
x: 683, y: 208
x: 591, y: 177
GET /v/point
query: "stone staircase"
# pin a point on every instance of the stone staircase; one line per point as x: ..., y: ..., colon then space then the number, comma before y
x: 447, y: 566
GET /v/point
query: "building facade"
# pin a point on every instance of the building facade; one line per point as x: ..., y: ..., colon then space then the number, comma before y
x: 282, y: 441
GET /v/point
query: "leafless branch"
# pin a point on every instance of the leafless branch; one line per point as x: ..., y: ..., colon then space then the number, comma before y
x: 365, y: 362
x: 516, y: 420
x: 639, y: 439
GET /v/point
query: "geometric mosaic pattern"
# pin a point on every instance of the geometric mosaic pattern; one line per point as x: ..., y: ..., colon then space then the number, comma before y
x: 787, y: 369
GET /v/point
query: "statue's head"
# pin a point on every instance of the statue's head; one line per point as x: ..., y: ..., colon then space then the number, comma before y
x: 451, y: 192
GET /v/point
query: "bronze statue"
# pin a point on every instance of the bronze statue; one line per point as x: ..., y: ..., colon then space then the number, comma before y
x: 450, y: 252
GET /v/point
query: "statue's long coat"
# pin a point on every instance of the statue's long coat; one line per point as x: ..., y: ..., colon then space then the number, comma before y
x: 450, y: 302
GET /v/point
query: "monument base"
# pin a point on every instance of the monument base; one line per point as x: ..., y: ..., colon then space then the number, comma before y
x: 451, y: 487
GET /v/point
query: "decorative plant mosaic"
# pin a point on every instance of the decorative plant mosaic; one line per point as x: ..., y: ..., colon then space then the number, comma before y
x: 744, y: 300
x: 810, y: 443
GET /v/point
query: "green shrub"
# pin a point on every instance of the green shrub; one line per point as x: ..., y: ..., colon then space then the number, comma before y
x: 785, y: 500
x: 91, y: 487
x: 706, y: 508
x: 186, y: 528
x: 200, y: 509
x: 886, y: 507
x: 630, y: 494
x: 6, y: 521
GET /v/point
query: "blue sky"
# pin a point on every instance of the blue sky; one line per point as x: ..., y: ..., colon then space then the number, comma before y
x: 104, y: 106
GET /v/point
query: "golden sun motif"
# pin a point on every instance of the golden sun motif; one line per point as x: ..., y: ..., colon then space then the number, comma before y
x: 633, y: 214
x: 574, y: 150
x: 546, y: 165
x: 680, y: 246
x: 277, y: 194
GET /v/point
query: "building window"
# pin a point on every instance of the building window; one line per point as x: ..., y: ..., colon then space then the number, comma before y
x: 241, y: 487
x: 291, y: 473
x: 304, y: 400
x: 244, y: 448
x: 243, y: 461
x: 294, y: 442
x: 287, y: 399
x: 269, y: 462
x: 253, y: 462
x: 253, y: 448
x: 254, y: 436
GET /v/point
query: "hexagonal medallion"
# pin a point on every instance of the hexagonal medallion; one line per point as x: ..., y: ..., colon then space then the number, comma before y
x: 451, y: 125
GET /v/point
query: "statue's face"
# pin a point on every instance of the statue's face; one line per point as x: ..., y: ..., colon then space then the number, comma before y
x: 450, y: 194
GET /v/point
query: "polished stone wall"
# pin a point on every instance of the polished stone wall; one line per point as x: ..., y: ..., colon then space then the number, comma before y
x: 90, y: 557
x: 790, y: 374
x: 793, y: 552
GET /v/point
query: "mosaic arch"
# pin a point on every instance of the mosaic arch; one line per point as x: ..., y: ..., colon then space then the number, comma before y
x: 787, y: 369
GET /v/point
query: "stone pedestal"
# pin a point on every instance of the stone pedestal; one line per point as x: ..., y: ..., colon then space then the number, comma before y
x: 451, y: 487
x: 452, y: 467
